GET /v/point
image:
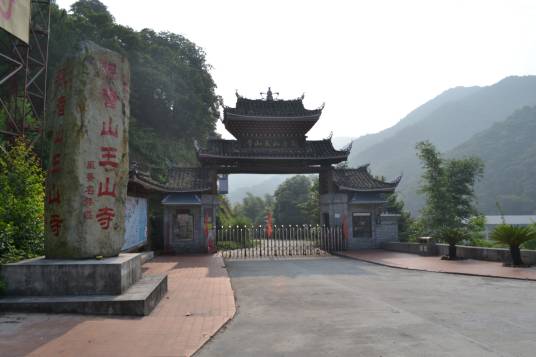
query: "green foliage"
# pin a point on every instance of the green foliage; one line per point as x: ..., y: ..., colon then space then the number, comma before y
x: 417, y: 229
x: 396, y: 205
x: 245, y: 243
x: 31, y: 124
x: 172, y: 91
x: 3, y: 287
x: 21, y: 203
x: 255, y: 208
x: 229, y: 216
x: 513, y: 236
x: 531, y: 244
x: 311, y: 207
x: 452, y: 235
x: 290, y: 198
x: 485, y: 243
x: 448, y: 186
x: 476, y: 229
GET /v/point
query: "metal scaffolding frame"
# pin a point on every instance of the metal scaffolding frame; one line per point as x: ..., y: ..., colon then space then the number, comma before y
x: 23, y: 74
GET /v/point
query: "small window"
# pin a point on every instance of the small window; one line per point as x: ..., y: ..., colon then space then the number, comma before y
x: 362, y: 225
x: 183, y: 225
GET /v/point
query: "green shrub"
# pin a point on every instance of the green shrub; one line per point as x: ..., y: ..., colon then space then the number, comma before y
x: 22, y: 197
x: 485, y: 243
x: 416, y: 229
x: 531, y: 244
x: 3, y: 287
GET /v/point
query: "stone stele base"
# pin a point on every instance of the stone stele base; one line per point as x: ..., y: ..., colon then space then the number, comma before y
x: 112, y: 286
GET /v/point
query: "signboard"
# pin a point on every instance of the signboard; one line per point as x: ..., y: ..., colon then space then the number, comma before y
x: 15, y: 18
x: 135, y: 222
x: 223, y: 184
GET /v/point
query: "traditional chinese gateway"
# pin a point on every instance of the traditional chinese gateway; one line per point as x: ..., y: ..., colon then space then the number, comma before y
x: 271, y: 137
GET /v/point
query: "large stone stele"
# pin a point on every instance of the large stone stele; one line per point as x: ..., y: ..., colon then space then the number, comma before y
x: 88, y: 164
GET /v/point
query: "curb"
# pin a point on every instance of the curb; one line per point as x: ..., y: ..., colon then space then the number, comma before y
x: 432, y: 271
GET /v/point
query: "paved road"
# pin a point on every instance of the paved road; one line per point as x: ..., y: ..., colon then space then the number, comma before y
x: 340, y: 307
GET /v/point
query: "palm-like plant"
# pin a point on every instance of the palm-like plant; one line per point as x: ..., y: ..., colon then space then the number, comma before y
x: 513, y: 236
x: 452, y: 236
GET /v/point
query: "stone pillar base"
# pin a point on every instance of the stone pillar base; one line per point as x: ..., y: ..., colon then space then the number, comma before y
x: 108, y: 286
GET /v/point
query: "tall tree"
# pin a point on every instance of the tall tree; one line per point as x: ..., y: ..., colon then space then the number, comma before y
x: 396, y: 205
x: 173, y: 98
x: 255, y: 208
x: 312, y: 206
x: 290, y: 198
x: 448, y: 186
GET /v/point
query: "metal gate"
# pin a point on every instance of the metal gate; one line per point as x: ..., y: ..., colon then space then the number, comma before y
x: 279, y: 241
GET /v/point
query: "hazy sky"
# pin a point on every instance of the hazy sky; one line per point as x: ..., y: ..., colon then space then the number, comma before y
x: 371, y: 62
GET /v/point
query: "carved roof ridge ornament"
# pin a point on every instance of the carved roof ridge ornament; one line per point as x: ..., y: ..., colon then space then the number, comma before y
x: 269, y: 95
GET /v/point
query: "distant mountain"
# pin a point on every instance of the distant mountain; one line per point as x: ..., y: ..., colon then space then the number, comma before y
x: 256, y: 184
x: 453, y: 121
x: 364, y: 142
x: 508, y: 150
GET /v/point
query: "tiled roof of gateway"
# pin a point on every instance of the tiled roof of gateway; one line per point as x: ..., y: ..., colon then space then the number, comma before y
x: 271, y: 108
x: 361, y: 180
x: 314, y: 149
x: 179, y: 179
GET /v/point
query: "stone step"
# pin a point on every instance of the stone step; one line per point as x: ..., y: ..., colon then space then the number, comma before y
x: 139, y: 300
x: 146, y: 256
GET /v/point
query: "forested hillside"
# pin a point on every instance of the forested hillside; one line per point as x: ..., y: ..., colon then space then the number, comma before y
x: 364, y: 142
x: 508, y: 150
x: 172, y: 92
x: 447, y: 126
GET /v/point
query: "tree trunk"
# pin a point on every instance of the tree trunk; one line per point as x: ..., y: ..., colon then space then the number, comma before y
x: 516, y: 255
x: 452, y: 251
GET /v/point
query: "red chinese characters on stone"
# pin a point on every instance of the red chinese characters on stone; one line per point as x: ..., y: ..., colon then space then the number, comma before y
x: 90, y: 177
x: 104, y: 216
x: 90, y: 190
x: 55, y: 224
x: 88, y: 214
x: 58, y: 137
x: 110, y: 97
x: 87, y: 201
x: 106, y: 191
x: 107, y: 129
x: 56, y: 164
x: 109, y: 68
x: 54, y: 196
x: 108, y: 157
x: 61, y: 79
x: 60, y: 106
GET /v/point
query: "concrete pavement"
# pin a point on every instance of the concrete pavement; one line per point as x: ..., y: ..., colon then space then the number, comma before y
x: 341, y: 307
